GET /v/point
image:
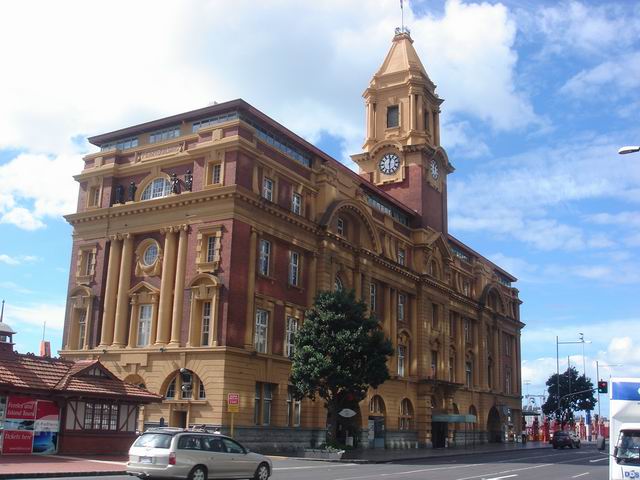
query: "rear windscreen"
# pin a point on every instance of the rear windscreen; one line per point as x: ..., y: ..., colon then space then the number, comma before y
x: 153, y: 440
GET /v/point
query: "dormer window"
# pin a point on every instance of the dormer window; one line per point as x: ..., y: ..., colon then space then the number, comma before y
x: 160, y: 187
x: 166, y: 134
x: 341, y: 226
x: 393, y: 116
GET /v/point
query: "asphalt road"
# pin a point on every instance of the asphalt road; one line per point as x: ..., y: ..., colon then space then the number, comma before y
x: 541, y: 464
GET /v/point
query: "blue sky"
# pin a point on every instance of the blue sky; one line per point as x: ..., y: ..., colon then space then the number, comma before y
x: 538, y: 98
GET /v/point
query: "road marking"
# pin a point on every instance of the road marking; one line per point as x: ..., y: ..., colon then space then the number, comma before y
x: 411, y: 471
x: 322, y: 465
x: 599, y: 459
x: 518, y: 469
x: 499, y: 478
x: 580, y: 475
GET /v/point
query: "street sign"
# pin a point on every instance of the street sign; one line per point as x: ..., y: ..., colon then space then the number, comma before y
x: 233, y: 402
x: 347, y: 413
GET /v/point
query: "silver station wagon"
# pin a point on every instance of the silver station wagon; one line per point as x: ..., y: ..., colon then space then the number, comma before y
x: 194, y: 455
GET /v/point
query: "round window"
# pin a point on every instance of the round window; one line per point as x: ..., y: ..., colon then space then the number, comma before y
x: 150, y: 254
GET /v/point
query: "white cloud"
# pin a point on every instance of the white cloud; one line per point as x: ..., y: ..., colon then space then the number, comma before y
x: 9, y: 260
x: 34, y: 187
x: 35, y: 314
x: 619, y: 75
x: 15, y: 287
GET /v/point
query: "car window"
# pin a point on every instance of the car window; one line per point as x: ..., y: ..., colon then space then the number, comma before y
x: 153, y: 440
x: 213, y: 444
x: 189, y: 442
x: 232, y: 447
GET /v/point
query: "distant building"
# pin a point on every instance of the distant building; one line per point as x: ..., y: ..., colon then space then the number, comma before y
x: 49, y: 405
x: 201, y: 239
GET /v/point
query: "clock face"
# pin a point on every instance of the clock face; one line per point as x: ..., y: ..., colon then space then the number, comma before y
x: 434, y: 169
x: 389, y: 163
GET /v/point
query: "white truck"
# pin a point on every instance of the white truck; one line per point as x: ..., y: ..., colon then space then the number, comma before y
x: 624, y: 429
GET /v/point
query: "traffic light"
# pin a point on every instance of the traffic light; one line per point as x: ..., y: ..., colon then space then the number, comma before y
x: 603, y: 387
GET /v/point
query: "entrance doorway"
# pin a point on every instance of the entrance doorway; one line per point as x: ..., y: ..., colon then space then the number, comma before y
x: 439, y: 434
x: 494, y: 426
x: 178, y: 419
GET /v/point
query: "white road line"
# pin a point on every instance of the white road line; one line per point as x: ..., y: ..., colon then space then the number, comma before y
x: 411, y: 471
x: 580, y: 475
x: 518, y: 469
x: 320, y: 465
x: 599, y: 459
x: 499, y: 478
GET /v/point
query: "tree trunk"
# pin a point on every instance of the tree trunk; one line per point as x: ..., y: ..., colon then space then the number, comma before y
x: 332, y: 421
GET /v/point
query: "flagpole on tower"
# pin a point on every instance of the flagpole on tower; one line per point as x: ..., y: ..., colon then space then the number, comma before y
x: 402, y: 16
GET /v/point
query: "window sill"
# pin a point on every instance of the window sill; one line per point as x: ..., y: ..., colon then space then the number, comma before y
x: 207, y: 267
x: 268, y: 278
x: 84, y: 279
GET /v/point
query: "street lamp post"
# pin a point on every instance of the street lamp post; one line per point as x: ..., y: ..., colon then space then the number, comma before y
x: 558, y: 343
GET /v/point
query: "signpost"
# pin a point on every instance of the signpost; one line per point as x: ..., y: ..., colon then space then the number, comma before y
x: 233, y: 406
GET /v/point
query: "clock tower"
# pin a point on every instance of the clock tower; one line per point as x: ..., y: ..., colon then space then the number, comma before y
x: 402, y: 153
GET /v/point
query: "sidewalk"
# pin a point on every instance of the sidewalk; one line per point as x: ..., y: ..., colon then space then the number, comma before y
x: 30, y: 466
x: 388, y: 455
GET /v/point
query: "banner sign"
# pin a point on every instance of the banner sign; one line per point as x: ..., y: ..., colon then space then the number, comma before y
x: 233, y: 402
x: 29, y: 425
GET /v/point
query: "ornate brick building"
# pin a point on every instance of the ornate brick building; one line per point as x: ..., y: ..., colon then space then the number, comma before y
x: 200, y: 239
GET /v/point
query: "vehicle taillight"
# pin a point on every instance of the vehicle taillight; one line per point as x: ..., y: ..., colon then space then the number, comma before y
x: 172, y: 458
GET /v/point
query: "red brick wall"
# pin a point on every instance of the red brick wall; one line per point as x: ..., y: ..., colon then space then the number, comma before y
x: 77, y: 443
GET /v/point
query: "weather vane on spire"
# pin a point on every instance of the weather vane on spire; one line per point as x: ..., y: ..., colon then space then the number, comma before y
x: 402, y: 28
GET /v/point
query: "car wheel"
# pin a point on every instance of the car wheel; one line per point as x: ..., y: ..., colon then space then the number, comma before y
x: 262, y: 472
x: 578, y: 445
x: 198, y: 473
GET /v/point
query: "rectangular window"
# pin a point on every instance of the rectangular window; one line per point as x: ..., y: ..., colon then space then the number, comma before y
x: 402, y: 356
x: 466, y: 287
x: 89, y: 262
x: 469, y: 374
x: 262, y: 329
x: 94, y: 197
x: 267, y: 188
x: 216, y: 173
x: 262, y: 406
x: 120, y: 144
x: 373, y: 293
x: 293, y: 409
x: 402, y: 256
x: 88, y: 416
x: 265, y: 254
x: 206, y: 323
x: 82, y: 328
x: 507, y: 381
x: 292, y: 330
x: 296, y: 203
x: 393, y: 116
x: 211, y: 248
x: 294, y: 268
x: 402, y: 300
x: 467, y: 331
x: 452, y: 325
x: 507, y: 345
x: 165, y: 134
x: 341, y: 226
x: 144, y: 325
x: 434, y: 364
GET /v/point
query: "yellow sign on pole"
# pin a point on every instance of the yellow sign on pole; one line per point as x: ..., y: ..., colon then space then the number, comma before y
x: 233, y: 407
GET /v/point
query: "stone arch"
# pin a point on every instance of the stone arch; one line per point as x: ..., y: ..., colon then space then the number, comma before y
x: 355, y: 211
x: 490, y: 292
x: 377, y: 406
x: 406, y: 415
x: 80, y: 314
x: 384, y: 145
x: 179, y: 378
x: 135, y: 379
x: 473, y: 411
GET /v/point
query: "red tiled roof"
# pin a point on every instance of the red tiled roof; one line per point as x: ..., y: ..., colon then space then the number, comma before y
x: 29, y: 372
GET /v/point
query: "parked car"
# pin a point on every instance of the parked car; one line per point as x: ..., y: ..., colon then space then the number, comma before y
x: 562, y: 439
x: 194, y: 455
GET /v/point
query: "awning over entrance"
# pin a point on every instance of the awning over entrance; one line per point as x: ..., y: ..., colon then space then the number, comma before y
x: 453, y: 418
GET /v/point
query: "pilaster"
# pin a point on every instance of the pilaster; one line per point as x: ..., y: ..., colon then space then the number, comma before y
x: 124, y: 283
x: 166, y: 287
x: 113, y: 273
x: 178, y: 289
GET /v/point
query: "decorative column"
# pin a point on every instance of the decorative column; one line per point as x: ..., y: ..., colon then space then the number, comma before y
x: 166, y: 286
x: 386, y: 318
x: 461, y: 354
x: 412, y: 110
x: 124, y: 282
x: 497, y: 362
x: 357, y: 282
x: 483, y: 354
x: 178, y: 289
x: 133, y: 323
x: 113, y: 272
x: 394, y: 328
x: 251, y: 286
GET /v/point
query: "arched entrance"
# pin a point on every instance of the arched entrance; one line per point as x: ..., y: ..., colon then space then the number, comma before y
x: 377, y: 412
x: 494, y: 427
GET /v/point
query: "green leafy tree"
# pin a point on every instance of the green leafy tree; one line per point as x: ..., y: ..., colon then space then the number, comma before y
x: 570, y: 400
x: 340, y: 352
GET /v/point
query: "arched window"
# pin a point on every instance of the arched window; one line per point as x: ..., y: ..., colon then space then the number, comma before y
x: 376, y: 406
x: 339, y: 285
x: 159, y: 187
x: 405, y: 421
x: 185, y: 385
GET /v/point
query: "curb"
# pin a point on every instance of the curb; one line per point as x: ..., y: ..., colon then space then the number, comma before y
x: 62, y: 474
x: 425, y: 457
